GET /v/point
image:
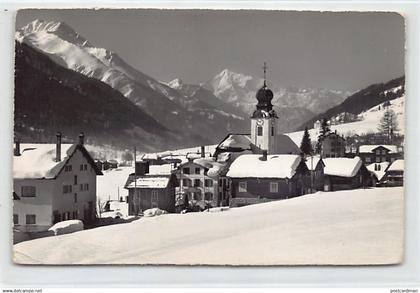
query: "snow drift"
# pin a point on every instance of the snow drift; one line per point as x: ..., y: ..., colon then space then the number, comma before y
x: 351, y: 227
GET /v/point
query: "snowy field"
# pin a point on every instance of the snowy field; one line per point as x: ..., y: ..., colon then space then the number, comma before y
x: 343, y: 227
x: 368, y: 124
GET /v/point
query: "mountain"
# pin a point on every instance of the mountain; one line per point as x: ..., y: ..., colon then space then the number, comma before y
x: 168, y: 106
x: 291, y: 103
x: 239, y: 89
x: 363, y: 100
x: 51, y: 98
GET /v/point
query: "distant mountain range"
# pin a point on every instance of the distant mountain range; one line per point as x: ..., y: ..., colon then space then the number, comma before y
x: 62, y: 77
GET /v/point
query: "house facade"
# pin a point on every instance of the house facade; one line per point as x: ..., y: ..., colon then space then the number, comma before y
x: 51, y: 188
x: 260, y: 178
x: 151, y: 186
x: 333, y: 146
x: 378, y: 153
x: 196, y: 185
x: 316, y: 166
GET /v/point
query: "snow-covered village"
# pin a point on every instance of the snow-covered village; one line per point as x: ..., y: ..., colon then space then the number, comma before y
x: 113, y: 166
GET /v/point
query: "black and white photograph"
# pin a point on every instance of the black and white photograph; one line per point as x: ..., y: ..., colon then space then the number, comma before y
x: 208, y: 137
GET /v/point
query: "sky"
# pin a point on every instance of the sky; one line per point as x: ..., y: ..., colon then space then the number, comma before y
x: 334, y: 50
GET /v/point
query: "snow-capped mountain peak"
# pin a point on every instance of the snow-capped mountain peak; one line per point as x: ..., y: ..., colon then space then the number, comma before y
x: 176, y: 83
x: 59, y: 28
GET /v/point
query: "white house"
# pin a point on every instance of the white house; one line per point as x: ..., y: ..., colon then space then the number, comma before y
x: 53, y: 183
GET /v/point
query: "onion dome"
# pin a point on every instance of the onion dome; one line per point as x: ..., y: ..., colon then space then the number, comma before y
x: 264, y: 97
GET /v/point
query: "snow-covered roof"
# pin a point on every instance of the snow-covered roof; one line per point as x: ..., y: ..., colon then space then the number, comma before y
x: 276, y: 166
x: 312, y: 162
x: 397, y: 165
x: 150, y: 182
x: 379, y: 173
x: 237, y: 141
x: 370, y: 148
x: 214, y: 168
x: 164, y: 169
x: 344, y: 167
x: 38, y: 160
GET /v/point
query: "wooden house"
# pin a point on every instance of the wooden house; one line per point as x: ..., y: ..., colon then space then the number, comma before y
x: 345, y: 173
x: 316, y: 166
x: 255, y: 178
x: 394, y: 174
x: 378, y: 153
x: 148, y: 190
x: 53, y: 183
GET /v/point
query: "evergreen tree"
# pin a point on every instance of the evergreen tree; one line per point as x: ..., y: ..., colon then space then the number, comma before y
x: 388, y: 124
x: 325, y: 129
x: 305, y: 145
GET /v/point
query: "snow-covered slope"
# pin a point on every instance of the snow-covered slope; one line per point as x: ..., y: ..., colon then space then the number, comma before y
x: 363, y: 226
x: 369, y: 121
x: 167, y: 105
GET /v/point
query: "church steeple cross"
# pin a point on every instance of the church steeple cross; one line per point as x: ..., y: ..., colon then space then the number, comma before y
x: 265, y: 74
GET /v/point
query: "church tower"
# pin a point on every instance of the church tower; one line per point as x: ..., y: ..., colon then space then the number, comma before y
x: 264, y: 120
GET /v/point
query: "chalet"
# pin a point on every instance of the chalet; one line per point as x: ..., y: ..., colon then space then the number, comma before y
x: 53, y: 184
x: 199, y: 182
x: 333, y: 146
x: 110, y: 164
x: 378, y: 153
x: 378, y: 171
x: 151, y: 188
x: 345, y: 173
x: 316, y: 166
x: 394, y: 174
x: 257, y: 178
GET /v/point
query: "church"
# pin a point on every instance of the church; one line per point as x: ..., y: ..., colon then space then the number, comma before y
x: 264, y: 134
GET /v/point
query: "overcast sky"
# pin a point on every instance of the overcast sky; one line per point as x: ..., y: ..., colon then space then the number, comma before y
x: 307, y: 49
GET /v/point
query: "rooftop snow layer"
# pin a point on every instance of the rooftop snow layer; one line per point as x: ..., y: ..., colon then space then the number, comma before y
x: 214, y: 168
x: 344, y: 167
x: 149, y: 182
x: 397, y: 165
x: 164, y: 169
x: 236, y: 141
x: 276, y: 166
x: 38, y: 160
x: 370, y: 148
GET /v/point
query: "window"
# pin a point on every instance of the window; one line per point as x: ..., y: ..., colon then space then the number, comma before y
x: 259, y: 131
x: 186, y: 170
x: 197, y: 183
x: 197, y: 170
x: 75, y: 198
x: 186, y: 182
x: 368, y: 160
x: 81, y: 187
x: 68, y: 168
x: 378, y: 152
x: 383, y: 152
x: 272, y: 130
x: 75, y: 179
x: 15, y: 219
x: 242, y: 186
x: 274, y: 187
x: 86, y: 186
x: 67, y: 188
x: 85, y: 167
x: 208, y: 196
x: 81, y: 167
x: 28, y: 191
x: 378, y: 159
x: 220, y: 182
x: 208, y: 183
x: 30, y: 219
x: 197, y: 196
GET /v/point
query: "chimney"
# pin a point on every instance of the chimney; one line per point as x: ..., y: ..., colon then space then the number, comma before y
x: 81, y: 138
x: 17, y: 148
x: 264, y: 156
x: 141, y: 168
x: 58, y: 148
x: 203, y: 153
